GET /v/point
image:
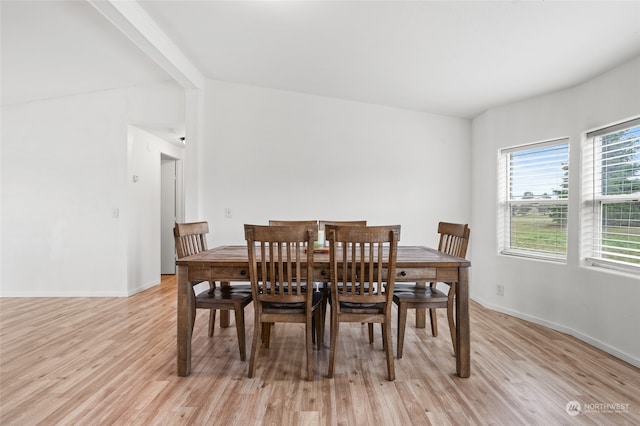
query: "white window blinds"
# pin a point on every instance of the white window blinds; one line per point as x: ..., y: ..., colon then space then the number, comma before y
x: 534, y: 192
x: 612, y: 196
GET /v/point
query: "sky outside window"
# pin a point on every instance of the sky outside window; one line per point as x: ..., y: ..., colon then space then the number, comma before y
x: 539, y: 172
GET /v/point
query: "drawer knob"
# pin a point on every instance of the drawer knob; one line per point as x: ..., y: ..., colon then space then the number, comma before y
x: 243, y: 272
x: 403, y: 273
x: 323, y: 273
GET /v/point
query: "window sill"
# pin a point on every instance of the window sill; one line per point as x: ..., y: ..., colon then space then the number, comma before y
x: 611, y: 266
x: 557, y: 259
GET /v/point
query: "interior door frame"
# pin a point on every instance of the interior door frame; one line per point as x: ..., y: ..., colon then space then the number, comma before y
x: 167, y: 250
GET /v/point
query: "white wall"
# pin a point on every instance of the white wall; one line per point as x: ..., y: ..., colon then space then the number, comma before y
x: 270, y: 154
x: 62, y: 175
x: 144, y: 152
x: 597, y: 306
x: 64, y: 171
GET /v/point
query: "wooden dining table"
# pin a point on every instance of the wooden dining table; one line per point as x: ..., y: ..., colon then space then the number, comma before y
x: 416, y: 264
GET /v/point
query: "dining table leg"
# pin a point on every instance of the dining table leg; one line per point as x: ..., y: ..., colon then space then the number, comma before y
x: 463, y: 331
x: 421, y: 313
x: 185, y: 312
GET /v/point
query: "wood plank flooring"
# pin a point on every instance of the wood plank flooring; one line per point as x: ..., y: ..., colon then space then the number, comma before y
x: 91, y: 361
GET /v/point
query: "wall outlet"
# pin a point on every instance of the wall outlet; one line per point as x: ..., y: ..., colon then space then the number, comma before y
x: 500, y: 290
x: 227, y: 212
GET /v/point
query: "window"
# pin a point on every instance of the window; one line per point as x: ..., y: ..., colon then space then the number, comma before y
x: 611, y: 196
x: 533, y: 195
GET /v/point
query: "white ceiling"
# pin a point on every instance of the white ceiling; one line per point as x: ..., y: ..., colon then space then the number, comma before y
x: 56, y: 48
x: 451, y: 58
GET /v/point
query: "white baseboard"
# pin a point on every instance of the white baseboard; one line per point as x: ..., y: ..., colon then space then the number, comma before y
x: 64, y: 294
x: 79, y: 293
x: 563, y: 329
x: 142, y: 287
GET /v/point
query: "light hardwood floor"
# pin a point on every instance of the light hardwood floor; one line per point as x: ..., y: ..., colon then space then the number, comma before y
x: 110, y: 361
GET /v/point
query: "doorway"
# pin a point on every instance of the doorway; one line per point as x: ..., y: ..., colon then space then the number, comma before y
x: 168, y: 213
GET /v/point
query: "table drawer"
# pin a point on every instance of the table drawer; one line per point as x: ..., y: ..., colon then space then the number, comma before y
x: 321, y: 275
x: 427, y: 274
x: 218, y: 273
x: 415, y: 274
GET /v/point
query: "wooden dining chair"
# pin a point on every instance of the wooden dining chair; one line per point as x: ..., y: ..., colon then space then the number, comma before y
x: 280, y: 267
x: 362, y: 264
x: 325, y: 288
x: 266, y: 328
x: 454, y: 239
x: 191, y: 239
x: 293, y: 223
x: 322, y: 224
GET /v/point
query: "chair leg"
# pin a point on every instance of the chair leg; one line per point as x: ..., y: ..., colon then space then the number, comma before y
x: 193, y: 310
x: 433, y: 315
x: 322, y: 314
x: 334, y: 343
x: 212, y: 312
x: 309, y: 348
x: 266, y: 334
x: 402, y: 325
x: 386, y: 336
x: 370, y: 325
x: 255, y: 346
x: 317, y: 327
x: 319, y: 330
x: 450, y: 315
x: 239, y: 315
x: 434, y: 322
x: 212, y: 321
x: 313, y: 329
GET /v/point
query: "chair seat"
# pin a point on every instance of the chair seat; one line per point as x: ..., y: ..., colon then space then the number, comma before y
x: 242, y: 288
x: 362, y: 308
x: 403, y: 287
x: 419, y: 294
x: 236, y: 287
x: 291, y: 308
x: 220, y: 294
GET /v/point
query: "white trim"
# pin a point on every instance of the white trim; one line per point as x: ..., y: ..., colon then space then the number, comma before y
x: 548, y: 257
x: 631, y: 122
x: 533, y: 145
x: 143, y: 287
x: 608, y: 199
x: 539, y: 201
x: 80, y: 293
x: 626, y: 268
x: 64, y: 294
x: 135, y: 23
x: 564, y: 329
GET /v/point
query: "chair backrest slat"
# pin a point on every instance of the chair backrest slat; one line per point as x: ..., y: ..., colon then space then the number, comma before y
x: 282, y: 267
x: 454, y: 238
x: 190, y: 238
x: 293, y: 222
x: 362, y: 262
x: 323, y: 223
